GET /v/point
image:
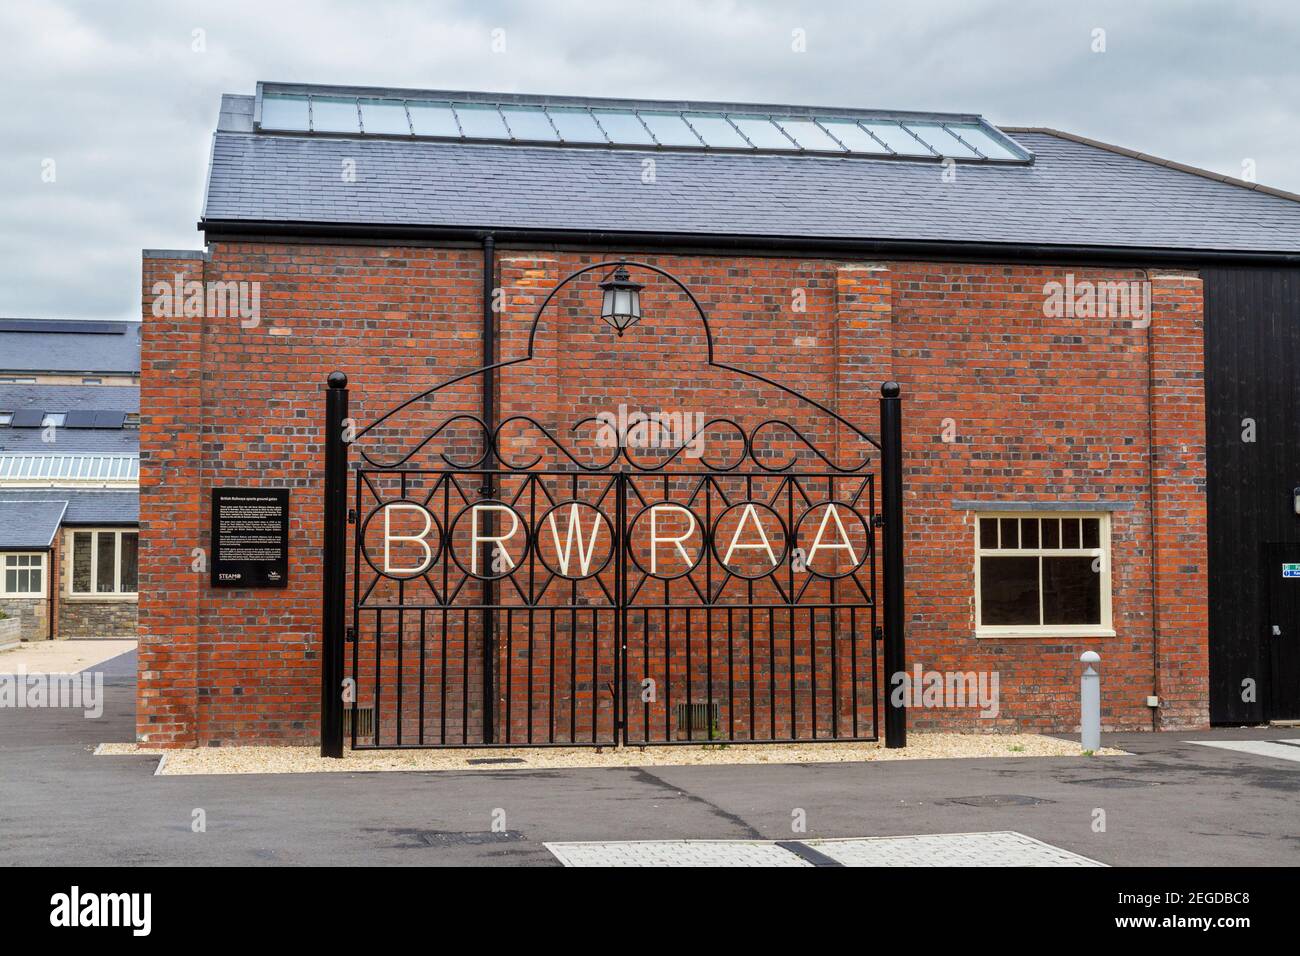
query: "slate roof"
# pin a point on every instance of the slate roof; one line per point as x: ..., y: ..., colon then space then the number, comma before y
x: 69, y: 345
x: 65, y: 398
x: 1075, y: 192
x: 88, y: 507
x: 30, y: 523
x: 70, y: 441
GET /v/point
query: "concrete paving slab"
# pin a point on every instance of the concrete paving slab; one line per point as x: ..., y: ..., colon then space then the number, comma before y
x: 61, y: 657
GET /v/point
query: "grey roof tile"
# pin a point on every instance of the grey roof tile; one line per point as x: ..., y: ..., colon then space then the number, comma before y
x: 65, y: 398
x: 35, y: 345
x: 1074, y: 193
x: 84, y: 507
x: 31, y: 522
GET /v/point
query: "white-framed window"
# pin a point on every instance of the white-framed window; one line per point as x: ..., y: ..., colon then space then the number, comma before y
x: 1042, y: 574
x: 22, y: 574
x: 105, y: 561
x: 54, y: 418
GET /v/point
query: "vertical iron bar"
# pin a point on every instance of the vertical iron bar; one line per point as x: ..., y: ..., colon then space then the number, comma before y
x: 379, y: 673
x: 334, y: 577
x: 771, y: 670
x: 891, y: 487
x: 510, y: 676
x: 442, y: 682
x: 853, y: 661
x: 812, y: 666
x: 668, y: 673
x: 489, y: 481
x: 620, y: 622
x: 421, y: 737
x: 731, y: 679
x: 464, y: 680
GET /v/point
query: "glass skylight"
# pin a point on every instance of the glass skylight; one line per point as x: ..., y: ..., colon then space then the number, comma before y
x: 69, y: 467
x: 894, y: 135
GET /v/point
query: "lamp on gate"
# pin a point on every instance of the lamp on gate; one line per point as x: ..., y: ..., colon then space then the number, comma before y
x: 1295, y: 499
x: 621, y: 307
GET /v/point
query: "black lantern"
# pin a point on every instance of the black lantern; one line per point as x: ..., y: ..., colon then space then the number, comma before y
x: 622, y: 304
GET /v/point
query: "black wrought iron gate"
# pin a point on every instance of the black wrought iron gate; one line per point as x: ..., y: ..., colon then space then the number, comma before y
x: 491, y: 605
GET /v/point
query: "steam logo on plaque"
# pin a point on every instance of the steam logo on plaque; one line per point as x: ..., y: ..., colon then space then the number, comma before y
x: 250, y: 537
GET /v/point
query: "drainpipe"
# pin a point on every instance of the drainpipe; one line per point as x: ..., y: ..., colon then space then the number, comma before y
x: 50, y: 577
x: 489, y: 484
x: 1151, y: 504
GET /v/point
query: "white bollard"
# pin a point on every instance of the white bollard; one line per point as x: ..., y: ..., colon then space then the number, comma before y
x: 1090, y: 702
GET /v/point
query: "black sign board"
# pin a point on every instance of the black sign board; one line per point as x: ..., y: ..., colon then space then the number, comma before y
x: 250, y: 537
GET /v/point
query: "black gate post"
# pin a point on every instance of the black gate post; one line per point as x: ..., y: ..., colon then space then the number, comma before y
x: 334, y: 570
x: 891, y: 499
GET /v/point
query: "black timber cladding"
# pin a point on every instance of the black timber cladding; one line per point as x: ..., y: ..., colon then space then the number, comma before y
x: 1252, y: 348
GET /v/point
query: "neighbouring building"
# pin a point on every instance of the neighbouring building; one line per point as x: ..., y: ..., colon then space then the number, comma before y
x: 69, y: 477
x: 1080, y: 333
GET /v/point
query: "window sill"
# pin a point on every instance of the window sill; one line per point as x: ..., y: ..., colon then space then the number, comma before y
x: 1045, y: 634
x: 100, y: 598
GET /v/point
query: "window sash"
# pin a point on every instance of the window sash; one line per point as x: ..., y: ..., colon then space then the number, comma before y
x: 19, y: 571
x: 1103, y: 627
x: 83, y: 541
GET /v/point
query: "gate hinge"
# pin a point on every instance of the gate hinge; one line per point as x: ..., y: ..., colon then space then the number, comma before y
x: 350, y: 635
x: 352, y: 516
x: 879, y: 633
x: 877, y: 521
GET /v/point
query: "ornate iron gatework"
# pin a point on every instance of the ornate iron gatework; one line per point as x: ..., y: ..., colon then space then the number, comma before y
x: 566, y: 599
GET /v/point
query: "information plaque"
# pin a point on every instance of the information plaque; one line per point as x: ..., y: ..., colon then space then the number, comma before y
x: 250, y: 537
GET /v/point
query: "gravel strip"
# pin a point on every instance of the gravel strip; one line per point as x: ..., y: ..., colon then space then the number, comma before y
x: 228, y: 760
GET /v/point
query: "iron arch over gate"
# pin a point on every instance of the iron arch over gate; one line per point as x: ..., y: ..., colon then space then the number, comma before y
x: 617, y: 601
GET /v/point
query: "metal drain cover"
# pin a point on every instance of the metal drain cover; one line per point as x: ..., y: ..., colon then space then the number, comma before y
x: 487, y: 760
x: 998, y: 800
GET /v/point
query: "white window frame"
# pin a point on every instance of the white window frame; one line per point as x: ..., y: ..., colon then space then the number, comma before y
x: 4, y: 568
x: 998, y: 631
x: 117, y: 594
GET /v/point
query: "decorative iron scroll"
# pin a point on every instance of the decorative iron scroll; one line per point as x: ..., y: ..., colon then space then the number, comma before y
x: 491, y: 436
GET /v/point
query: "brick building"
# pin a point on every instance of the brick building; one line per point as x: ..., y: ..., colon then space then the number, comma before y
x: 1041, y: 299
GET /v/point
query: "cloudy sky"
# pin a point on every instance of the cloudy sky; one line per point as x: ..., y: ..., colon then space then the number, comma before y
x: 116, y: 102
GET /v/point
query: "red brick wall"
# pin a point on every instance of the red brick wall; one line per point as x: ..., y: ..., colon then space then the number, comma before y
x: 1062, y: 409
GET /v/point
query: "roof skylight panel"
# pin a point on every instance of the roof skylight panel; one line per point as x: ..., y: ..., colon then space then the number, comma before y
x: 334, y: 114
x: 575, y: 124
x: 385, y: 116
x: 529, y: 123
x: 853, y: 136
x: 762, y: 132
x: 669, y: 129
x: 980, y: 138
x: 896, y: 138
x: 285, y: 112
x: 716, y: 131
x: 624, y: 127
x: 808, y: 134
x: 480, y: 121
x: 432, y: 119
x: 942, y: 141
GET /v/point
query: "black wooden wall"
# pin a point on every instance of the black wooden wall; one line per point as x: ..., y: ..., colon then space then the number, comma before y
x: 1252, y: 350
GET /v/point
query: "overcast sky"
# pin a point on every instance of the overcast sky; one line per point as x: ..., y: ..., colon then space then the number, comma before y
x: 123, y: 96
